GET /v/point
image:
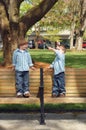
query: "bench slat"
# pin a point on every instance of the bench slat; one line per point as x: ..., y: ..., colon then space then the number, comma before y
x: 14, y: 100
x: 32, y: 100
x: 65, y: 100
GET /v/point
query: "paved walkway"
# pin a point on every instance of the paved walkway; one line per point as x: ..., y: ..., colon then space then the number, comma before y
x: 65, y: 121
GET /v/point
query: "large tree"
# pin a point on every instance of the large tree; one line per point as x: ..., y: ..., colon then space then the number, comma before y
x: 13, y: 27
x: 82, y: 25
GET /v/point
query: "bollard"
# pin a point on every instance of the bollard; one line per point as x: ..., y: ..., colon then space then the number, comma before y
x: 42, y: 120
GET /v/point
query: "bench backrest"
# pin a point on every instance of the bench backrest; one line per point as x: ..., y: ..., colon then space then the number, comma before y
x: 75, y: 82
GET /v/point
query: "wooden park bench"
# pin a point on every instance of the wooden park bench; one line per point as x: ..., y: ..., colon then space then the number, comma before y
x: 75, y: 87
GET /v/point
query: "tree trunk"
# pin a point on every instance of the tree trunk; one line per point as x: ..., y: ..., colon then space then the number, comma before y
x: 6, y: 48
x: 80, y: 32
x: 37, y: 33
x: 79, y: 41
x: 72, y: 35
x: 9, y: 32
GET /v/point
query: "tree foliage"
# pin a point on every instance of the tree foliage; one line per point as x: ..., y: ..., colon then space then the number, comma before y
x: 68, y: 14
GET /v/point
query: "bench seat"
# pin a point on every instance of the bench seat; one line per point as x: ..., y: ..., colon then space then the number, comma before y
x: 47, y: 100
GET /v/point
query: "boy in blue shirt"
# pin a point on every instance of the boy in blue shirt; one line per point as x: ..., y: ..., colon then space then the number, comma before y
x: 22, y: 62
x: 59, y: 71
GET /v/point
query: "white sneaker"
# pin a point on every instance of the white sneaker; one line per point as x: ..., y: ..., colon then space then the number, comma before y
x: 19, y: 94
x: 27, y: 94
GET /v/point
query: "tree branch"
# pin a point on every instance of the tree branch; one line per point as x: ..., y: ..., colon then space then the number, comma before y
x: 83, y: 14
x: 36, y: 13
x: 5, y: 4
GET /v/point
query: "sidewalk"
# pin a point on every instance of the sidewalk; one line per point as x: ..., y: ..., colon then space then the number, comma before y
x: 64, y: 121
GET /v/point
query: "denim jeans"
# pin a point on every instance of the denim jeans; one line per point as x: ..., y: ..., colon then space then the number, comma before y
x: 22, y: 81
x: 59, y: 83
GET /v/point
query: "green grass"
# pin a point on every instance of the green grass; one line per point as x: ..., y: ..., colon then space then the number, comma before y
x: 47, y: 107
x: 42, y: 55
x: 74, y: 59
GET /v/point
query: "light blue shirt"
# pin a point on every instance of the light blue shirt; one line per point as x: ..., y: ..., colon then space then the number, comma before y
x: 22, y: 60
x: 59, y: 62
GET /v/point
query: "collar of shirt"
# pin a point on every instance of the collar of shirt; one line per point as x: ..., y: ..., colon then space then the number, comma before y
x: 21, y: 50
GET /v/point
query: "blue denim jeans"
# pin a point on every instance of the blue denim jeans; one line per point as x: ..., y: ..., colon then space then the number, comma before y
x: 59, y: 83
x: 22, y: 81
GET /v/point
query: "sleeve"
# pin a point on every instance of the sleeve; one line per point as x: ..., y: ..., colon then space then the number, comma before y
x: 58, y: 54
x: 30, y: 60
x: 14, y: 58
x: 52, y: 65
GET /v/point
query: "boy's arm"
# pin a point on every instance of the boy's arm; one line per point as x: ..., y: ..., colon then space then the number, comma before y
x: 14, y: 60
x: 52, y: 49
x: 56, y: 51
x: 51, y: 66
x: 30, y: 61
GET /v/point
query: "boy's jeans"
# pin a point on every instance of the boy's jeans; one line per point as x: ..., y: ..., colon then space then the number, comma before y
x: 22, y: 81
x: 59, y: 84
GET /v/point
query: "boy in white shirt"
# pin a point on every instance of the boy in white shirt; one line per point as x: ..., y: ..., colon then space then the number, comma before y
x: 59, y: 71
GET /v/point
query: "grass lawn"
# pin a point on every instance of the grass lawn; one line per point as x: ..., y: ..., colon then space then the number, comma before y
x: 74, y: 59
x: 49, y: 108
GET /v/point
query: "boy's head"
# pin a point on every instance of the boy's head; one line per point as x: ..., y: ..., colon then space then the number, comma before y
x: 61, y: 47
x: 23, y: 44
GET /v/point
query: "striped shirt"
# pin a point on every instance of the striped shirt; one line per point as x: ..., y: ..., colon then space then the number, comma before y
x: 22, y: 60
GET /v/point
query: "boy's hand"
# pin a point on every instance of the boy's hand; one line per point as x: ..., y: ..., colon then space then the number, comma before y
x: 33, y: 68
x: 13, y: 68
x: 50, y: 48
x: 47, y: 68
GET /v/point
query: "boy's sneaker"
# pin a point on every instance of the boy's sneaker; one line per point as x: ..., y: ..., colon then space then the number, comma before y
x: 62, y: 95
x: 54, y: 95
x: 19, y: 94
x: 27, y: 94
